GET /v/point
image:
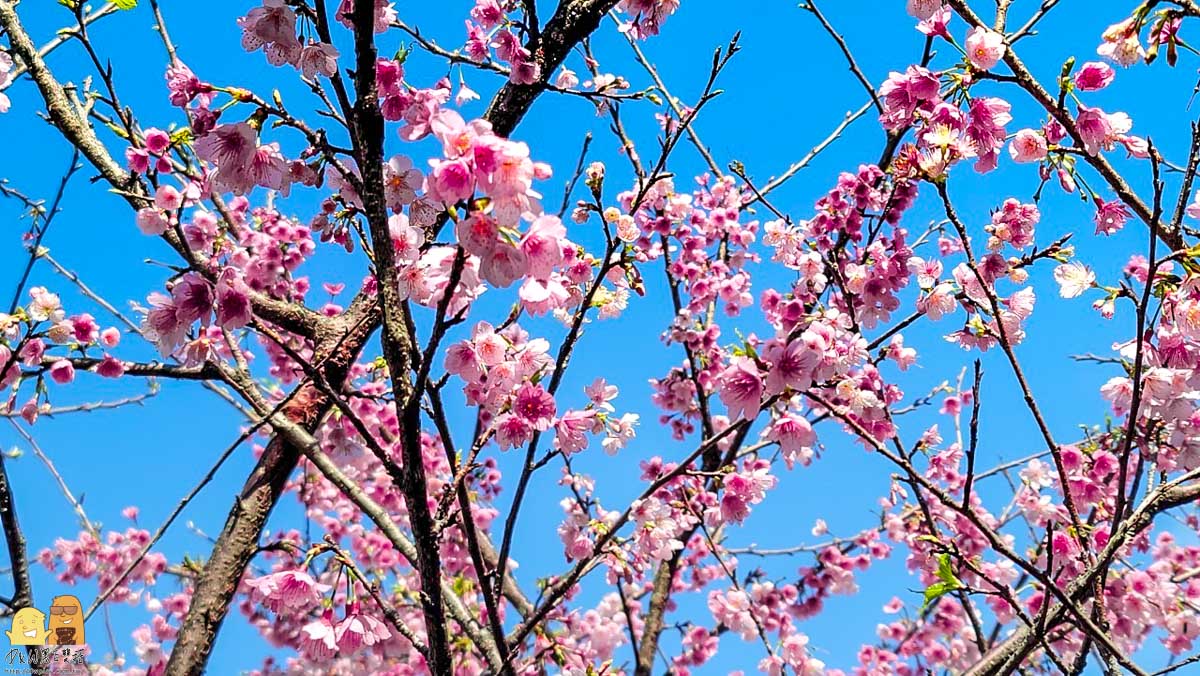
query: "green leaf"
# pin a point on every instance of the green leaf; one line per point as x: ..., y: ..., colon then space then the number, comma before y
x: 182, y: 136
x: 125, y: 4
x: 945, y: 571
x: 934, y: 592
x: 948, y: 582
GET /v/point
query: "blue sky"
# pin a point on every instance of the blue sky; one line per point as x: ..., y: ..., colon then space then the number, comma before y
x: 783, y: 93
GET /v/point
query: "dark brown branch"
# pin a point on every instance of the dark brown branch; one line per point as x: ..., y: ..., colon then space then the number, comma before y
x: 572, y: 22
x: 206, y: 371
x: 398, y: 341
x: 14, y: 539
x: 850, y: 60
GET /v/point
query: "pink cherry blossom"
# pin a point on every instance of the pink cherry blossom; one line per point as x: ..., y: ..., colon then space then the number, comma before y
x: 1028, y: 145
x: 287, y: 589
x: 535, y: 406
x: 1073, y: 279
x: 1094, y: 76
x: 985, y: 48
x: 741, y: 387
x: 1111, y: 216
x: 319, y: 638
x: 62, y: 372
x: 923, y: 9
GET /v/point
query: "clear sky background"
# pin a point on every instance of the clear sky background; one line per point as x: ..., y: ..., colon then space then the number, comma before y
x: 784, y: 93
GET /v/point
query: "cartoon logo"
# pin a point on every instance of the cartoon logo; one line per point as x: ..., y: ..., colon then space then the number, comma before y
x: 28, y: 627
x: 66, y: 621
x: 66, y: 624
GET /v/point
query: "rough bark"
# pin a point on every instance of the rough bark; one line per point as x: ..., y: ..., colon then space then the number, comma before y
x: 398, y: 341
x: 573, y: 21
x: 14, y: 538
x: 239, y: 539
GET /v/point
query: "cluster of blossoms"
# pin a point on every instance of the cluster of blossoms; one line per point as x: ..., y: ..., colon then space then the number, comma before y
x: 503, y: 373
x: 292, y: 593
x: 252, y: 250
x: 41, y: 337
x: 89, y: 558
x: 120, y: 563
x: 272, y: 28
x: 646, y: 17
x: 949, y: 131
x: 1137, y: 600
x: 285, y: 605
x: 490, y: 28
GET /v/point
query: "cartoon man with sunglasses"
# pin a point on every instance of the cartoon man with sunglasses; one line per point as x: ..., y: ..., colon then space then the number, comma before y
x: 66, y: 621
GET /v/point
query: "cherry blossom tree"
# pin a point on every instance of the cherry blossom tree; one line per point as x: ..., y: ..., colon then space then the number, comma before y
x: 468, y: 293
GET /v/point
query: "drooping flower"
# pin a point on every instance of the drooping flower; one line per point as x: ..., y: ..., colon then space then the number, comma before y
x: 233, y: 300
x: 792, y: 366
x: 795, y: 437
x: 157, y: 141
x: 400, y: 182
x: 1014, y: 223
x: 600, y: 393
x: 542, y: 245
x: 318, y: 58
x: 904, y: 92
x: 1100, y: 130
x: 939, y: 302
x: 620, y: 432
x: 162, y: 324
x: 151, y: 221
x: 1193, y: 208
x: 1122, y: 44
x: 318, y: 639
x: 570, y: 432
x: 503, y: 265
x: 183, y: 84
x: 488, y: 13
x: 360, y: 629
x: 450, y: 181
x: 988, y: 117
x: 167, y: 198
x: 385, y: 14
x: 937, y: 24
x: 923, y: 9
x: 1110, y: 216
x: 110, y: 367
x: 271, y: 28
x: 62, y: 372
x: 566, y: 79
x: 6, y: 67
x: 230, y: 148
x: 193, y: 298
x: 288, y: 589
